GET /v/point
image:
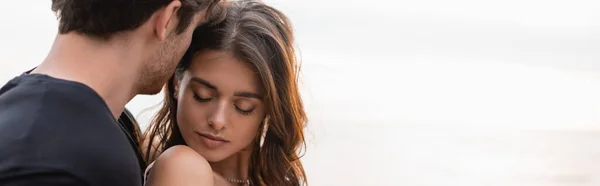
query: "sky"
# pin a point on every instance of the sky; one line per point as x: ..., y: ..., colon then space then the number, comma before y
x: 423, y: 93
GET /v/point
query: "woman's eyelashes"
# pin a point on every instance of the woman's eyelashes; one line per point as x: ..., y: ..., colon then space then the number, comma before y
x: 243, y: 111
x: 242, y: 108
x: 201, y: 99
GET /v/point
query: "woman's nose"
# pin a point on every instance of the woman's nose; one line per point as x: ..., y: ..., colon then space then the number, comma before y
x: 219, y: 118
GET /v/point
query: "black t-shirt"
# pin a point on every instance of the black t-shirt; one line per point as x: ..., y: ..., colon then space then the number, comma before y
x: 55, y: 132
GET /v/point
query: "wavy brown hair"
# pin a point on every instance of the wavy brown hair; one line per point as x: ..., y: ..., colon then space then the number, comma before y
x: 261, y: 36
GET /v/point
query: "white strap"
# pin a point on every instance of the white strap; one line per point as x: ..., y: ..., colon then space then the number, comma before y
x: 147, y: 172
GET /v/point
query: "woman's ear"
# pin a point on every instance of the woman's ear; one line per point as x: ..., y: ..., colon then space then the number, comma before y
x: 175, y: 88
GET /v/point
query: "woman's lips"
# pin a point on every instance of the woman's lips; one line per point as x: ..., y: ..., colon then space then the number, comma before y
x: 212, y: 141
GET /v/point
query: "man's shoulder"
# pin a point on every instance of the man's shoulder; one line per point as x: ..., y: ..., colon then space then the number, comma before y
x: 42, y: 89
x: 38, y: 97
x: 52, y: 125
x: 55, y: 119
x: 49, y: 113
x: 44, y: 104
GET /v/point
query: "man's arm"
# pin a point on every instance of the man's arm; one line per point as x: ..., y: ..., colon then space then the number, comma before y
x: 46, y: 178
x: 132, y: 130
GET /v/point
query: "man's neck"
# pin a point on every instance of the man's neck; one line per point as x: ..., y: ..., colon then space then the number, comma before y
x: 108, y: 67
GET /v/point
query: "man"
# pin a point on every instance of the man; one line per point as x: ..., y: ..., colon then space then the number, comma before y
x: 58, y: 122
x: 132, y: 130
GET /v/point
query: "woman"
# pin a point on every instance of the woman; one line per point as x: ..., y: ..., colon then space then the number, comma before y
x: 232, y: 113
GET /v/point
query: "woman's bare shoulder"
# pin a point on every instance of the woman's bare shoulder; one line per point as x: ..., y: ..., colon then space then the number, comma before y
x: 180, y: 165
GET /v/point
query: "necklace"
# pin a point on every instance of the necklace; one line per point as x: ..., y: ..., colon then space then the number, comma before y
x: 246, y: 182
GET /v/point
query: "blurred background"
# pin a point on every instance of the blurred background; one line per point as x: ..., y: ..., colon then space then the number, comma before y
x: 421, y: 93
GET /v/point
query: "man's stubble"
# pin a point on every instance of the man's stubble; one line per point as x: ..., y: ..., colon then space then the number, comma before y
x: 158, y: 69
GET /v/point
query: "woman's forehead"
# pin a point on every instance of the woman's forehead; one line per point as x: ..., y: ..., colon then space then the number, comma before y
x: 222, y: 69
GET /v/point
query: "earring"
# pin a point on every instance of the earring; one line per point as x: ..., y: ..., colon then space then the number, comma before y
x: 264, y: 131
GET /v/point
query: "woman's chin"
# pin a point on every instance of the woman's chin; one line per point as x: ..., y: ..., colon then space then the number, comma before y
x: 212, y: 156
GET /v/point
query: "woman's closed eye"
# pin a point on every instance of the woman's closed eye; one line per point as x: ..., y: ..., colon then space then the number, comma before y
x: 201, y: 99
x: 244, y: 108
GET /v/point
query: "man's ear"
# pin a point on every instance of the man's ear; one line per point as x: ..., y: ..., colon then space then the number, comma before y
x: 167, y: 21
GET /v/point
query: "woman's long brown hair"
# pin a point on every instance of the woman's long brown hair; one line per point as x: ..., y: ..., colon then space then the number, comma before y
x: 262, y: 36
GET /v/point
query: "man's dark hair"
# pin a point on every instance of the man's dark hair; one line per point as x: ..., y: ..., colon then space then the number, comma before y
x: 103, y: 18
